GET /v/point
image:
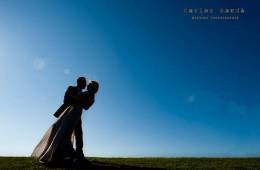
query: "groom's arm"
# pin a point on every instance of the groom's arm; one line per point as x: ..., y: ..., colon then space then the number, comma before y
x: 60, y: 110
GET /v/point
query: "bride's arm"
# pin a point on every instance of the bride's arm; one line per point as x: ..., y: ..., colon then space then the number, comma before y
x: 88, y: 104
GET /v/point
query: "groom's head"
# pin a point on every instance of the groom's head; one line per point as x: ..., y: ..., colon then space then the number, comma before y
x: 81, y: 82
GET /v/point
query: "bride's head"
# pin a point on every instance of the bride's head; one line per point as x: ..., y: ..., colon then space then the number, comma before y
x: 93, y: 87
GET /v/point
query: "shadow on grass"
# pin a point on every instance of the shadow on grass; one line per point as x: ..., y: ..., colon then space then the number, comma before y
x: 96, y: 165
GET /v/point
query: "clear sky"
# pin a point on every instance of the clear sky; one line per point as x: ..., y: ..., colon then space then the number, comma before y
x: 169, y: 86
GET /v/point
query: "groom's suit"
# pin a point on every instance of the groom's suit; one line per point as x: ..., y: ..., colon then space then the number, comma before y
x: 71, y: 92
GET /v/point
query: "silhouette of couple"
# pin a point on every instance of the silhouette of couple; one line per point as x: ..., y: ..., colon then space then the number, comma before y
x: 57, y: 143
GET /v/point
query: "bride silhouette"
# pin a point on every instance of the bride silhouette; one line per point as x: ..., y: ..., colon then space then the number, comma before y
x: 57, y: 143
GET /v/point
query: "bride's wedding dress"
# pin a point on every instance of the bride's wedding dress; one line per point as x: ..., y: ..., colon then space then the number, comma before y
x: 57, y: 142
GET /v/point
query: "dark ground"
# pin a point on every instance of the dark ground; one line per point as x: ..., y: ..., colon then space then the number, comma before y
x: 95, y: 163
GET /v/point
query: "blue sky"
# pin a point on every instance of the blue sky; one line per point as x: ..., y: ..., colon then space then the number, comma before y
x: 169, y: 86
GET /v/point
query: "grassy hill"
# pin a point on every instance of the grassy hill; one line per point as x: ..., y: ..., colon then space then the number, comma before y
x: 139, y: 163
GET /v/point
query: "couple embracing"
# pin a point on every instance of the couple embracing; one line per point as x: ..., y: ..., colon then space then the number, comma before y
x: 57, y: 143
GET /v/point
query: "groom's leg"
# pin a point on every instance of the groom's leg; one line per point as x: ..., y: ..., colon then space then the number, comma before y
x: 79, y: 139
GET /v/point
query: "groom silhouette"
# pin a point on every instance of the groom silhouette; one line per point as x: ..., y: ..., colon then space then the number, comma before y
x: 70, y: 98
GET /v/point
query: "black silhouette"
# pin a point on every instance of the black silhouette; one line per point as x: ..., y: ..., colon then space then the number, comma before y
x: 56, y: 146
x: 70, y: 97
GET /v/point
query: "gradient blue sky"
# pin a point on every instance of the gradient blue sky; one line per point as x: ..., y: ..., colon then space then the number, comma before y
x: 169, y: 86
